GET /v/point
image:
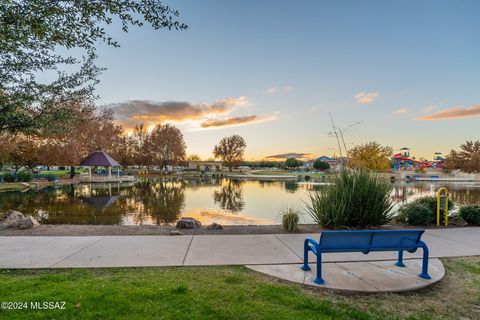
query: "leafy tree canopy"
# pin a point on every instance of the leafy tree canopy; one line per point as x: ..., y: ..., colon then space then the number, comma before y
x: 371, y: 156
x: 467, y: 159
x: 321, y: 165
x: 293, y: 163
x: 39, y: 37
x: 231, y: 150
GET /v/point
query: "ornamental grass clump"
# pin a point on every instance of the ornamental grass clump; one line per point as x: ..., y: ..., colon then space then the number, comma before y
x: 355, y: 199
x: 290, y: 219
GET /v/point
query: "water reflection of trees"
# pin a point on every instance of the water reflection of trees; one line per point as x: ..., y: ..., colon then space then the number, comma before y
x: 468, y: 196
x: 460, y: 193
x: 291, y: 186
x: 230, y: 196
x: 62, y: 206
x: 161, y: 201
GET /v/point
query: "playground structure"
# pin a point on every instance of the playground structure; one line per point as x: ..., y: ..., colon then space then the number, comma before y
x: 402, y: 161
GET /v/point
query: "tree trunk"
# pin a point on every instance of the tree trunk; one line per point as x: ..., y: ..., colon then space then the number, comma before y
x: 72, y: 172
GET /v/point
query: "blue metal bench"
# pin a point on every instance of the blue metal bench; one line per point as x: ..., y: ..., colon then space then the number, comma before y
x: 366, y: 241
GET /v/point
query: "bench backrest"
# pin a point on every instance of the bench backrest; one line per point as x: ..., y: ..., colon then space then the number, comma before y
x: 369, y: 240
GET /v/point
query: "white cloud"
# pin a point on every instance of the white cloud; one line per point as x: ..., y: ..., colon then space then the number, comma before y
x: 366, y: 98
x: 278, y: 90
x: 429, y: 108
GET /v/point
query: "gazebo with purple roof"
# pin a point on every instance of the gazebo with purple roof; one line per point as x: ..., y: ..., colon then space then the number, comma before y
x: 100, y: 158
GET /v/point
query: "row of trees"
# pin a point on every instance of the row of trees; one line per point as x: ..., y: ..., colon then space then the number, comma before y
x: 163, y: 145
x: 373, y: 156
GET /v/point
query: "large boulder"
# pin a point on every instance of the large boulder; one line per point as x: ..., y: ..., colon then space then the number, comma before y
x: 188, y: 223
x: 456, y: 220
x: 28, y: 222
x: 16, y: 219
x: 11, y: 219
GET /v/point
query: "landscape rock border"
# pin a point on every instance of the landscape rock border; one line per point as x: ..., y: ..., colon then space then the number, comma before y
x: 16, y: 219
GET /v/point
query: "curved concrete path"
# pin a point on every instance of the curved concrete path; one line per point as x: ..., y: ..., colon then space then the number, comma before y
x: 188, y: 250
x: 360, y: 276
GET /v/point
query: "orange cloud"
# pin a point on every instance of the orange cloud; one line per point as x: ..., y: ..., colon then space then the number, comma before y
x: 131, y: 113
x: 236, y: 121
x: 401, y: 111
x: 459, y: 112
x: 366, y: 98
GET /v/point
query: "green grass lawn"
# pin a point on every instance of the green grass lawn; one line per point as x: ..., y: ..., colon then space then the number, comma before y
x: 61, y: 173
x: 227, y: 293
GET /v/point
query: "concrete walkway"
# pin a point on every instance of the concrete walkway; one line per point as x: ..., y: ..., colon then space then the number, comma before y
x: 188, y: 250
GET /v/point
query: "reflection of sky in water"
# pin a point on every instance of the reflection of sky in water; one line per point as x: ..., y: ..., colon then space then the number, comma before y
x: 155, y: 201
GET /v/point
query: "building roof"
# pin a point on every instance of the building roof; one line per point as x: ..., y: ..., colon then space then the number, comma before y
x: 99, y: 158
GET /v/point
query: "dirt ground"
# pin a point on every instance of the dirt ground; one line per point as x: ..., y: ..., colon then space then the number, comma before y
x: 118, y: 230
x: 115, y: 230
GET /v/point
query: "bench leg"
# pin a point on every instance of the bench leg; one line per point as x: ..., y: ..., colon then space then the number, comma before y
x: 305, y: 266
x: 399, y: 262
x: 424, y: 273
x: 318, y: 279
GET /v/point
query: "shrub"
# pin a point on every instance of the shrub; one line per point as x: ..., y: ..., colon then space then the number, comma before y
x: 25, y: 176
x: 471, y: 214
x: 416, y: 214
x: 50, y: 177
x: 8, y: 177
x: 431, y: 202
x: 321, y: 165
x: 290, y: 219
x: 355, y: 199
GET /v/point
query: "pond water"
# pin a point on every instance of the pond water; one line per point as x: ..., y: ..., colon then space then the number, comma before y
x: 156, y: 201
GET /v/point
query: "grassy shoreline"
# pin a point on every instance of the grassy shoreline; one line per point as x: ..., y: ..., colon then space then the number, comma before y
x: 228, y: 292
x: 13, y: 186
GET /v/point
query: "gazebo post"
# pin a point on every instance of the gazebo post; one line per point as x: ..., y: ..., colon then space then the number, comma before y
x: 109, y: 172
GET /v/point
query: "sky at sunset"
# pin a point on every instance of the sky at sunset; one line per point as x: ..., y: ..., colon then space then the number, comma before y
x: 271, y: 71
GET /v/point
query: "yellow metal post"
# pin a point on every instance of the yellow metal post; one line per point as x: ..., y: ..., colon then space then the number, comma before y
x: 442, y: 192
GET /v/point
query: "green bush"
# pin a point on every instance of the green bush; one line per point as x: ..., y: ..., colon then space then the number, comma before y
x: 431, y: 202
x: 356, y: 199
x: 50, y: 177
x: 8, y: 177
x: 416, y: 214
x: 471, y: 214
x: 321, y: 165
x: 25, y: 176
x: 290, y: 219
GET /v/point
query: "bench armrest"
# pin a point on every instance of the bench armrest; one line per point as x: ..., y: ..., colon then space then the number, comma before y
x: 311, y: 244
